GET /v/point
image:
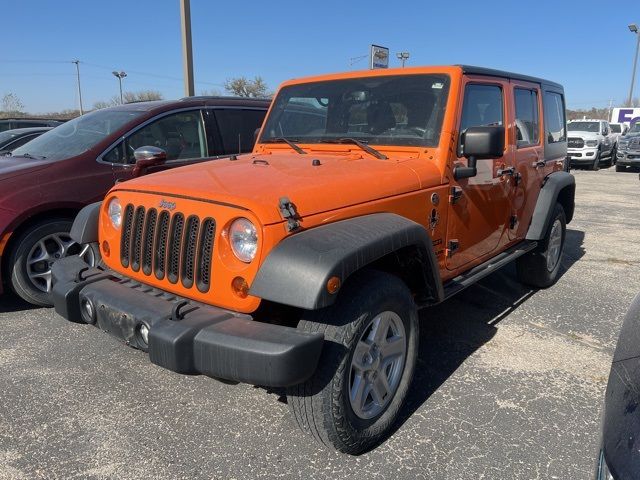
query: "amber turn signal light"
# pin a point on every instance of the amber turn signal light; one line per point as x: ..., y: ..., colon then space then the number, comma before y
x: 105, y: 248
x: 240, y: 287
x: 333, y: 285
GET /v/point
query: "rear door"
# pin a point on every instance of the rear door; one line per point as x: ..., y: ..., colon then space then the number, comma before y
x: 529, y: 165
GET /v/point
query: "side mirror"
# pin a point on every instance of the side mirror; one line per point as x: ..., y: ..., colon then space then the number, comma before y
x: 147, y: 157
x: 479, y: 143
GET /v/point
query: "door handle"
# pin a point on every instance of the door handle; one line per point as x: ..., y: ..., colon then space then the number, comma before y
x: 539, y: 164
x: 506, y: 171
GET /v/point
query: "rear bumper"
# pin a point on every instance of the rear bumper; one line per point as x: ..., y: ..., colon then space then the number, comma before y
x: 185, y: 337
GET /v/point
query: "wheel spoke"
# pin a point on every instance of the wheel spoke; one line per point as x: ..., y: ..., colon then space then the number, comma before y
x: 379, y: 329
x: 380, y: 389
x: 42, y: 256
x: 359, y: 393
x: 394, y: 347
x: 359, y: 354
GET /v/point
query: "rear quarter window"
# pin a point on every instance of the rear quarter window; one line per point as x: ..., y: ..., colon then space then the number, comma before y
x: 554, y: 118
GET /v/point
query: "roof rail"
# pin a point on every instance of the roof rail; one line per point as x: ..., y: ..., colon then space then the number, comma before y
x: 223, y: 97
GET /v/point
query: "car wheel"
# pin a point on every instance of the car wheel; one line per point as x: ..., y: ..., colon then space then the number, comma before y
x: 35, y: 251
x: 621, y: 168
x: 614, y: 156
x: 371, y: 344
x: 596, y: 162
x: 539, y: 268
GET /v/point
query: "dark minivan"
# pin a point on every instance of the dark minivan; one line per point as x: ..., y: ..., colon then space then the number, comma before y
x: 44, y: 183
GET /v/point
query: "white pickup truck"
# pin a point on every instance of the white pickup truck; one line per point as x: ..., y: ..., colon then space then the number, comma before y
x: 590, y: 142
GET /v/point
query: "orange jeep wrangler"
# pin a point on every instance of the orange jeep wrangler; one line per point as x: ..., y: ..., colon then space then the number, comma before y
x: 368, y: 196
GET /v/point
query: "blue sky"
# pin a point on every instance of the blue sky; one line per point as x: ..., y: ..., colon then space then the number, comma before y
x: 585, y: 45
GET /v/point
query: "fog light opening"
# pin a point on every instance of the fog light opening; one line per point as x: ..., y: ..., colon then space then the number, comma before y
x: 240, y: 287
x: 87, y: 310
x: 105, y: 248
x: 143, y: 333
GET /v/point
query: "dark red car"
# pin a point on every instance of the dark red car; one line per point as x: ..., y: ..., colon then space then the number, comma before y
x: 44, y: 183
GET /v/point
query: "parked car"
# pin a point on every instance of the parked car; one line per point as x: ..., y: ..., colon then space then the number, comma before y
x: 303, y: 264
x: 590, y: 142
x: 628, y: 155
x: 620, y: 453
x: 12, y: 139
x: 47, y: 181
x: 13, y: 123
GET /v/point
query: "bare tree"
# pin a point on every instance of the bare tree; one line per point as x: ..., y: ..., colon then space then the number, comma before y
x: 129, y: 97
x: 214, y: 92
x: 11, y: 103
x: 243, y: 87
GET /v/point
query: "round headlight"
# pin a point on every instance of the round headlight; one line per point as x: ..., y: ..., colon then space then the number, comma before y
x: 115, y: 212
x: 243, y: 237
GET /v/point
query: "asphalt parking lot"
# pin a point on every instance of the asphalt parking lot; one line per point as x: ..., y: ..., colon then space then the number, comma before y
x: 509, y: 383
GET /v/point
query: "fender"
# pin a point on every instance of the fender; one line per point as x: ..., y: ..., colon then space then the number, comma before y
x: 549, y: 193
x: 85, y: 225
x: 296, y: 271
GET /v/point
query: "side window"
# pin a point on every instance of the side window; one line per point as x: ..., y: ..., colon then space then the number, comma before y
x: 554, y: 118
x: 181, y: 135
x: 527, y: 119
x: 237, y: 128
x: 116, y: 154
x: 482, y: 106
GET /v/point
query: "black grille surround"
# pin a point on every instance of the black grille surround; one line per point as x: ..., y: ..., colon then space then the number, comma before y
x: 574, y: 142
x: 168, y: 246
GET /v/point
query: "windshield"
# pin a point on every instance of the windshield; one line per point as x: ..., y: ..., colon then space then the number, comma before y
x: 387, y: 110
x: 635, y: 128
x: 584, y: 127
x: 76, y: 136
x: 616, y: 128
x: 7, y: 135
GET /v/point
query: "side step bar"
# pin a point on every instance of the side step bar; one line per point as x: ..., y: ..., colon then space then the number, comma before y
x: 461, y: 282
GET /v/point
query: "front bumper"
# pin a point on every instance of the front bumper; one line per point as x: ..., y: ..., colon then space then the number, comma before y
x: 628, y: 158
x: 582, y: 155
x: 183, y: 336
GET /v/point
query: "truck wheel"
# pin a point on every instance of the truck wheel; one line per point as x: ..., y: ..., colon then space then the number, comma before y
x: 596, y: 163
x: 614, y: 156
x: 366, y: 367
x: 621, y: 168
x: 539, y: 268
x: 35, y: 251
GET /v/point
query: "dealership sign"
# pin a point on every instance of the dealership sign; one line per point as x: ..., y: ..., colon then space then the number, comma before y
x: 379, y: 57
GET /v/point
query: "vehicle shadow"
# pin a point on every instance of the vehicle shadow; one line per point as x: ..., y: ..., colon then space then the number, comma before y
x: 10, y: 303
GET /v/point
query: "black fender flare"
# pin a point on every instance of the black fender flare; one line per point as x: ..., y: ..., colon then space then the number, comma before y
x: 85, y: 225
x: 554, y: 184
x: 297, y: 270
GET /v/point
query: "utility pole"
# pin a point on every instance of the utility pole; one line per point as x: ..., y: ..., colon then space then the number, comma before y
x: 120, y: 76
x: 187, y: 54
x: 77, y: 62
x: 634, y: 29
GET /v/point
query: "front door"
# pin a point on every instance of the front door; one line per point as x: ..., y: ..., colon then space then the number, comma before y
x: 478, y: 219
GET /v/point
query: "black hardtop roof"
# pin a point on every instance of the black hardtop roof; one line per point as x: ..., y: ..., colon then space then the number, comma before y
x: 472, y: 70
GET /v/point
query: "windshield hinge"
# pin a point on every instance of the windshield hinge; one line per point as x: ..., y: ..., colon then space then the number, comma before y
x: 289, y: 213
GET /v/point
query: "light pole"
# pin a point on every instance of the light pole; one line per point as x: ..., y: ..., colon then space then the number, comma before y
x: 77, y: 62
x: 187, y: 55
x: 634, y: 29
x: 120, y: 76
x: 403, y: 57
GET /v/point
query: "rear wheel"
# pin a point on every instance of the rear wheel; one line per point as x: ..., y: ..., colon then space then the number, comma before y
x: 371, y: 344
x: 34, y: 253
x: 539, y: 268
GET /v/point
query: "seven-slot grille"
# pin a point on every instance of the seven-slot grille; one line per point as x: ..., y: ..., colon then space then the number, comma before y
x: 168, y: 246
x: 575, y: 142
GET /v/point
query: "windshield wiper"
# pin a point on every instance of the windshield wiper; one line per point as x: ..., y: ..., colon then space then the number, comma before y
x: 287, y: 141
x: 28, y: 155
x: 362, y: 145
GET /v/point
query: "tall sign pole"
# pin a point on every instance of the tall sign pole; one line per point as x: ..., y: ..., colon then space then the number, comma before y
x: 77, y: 62
x: 187, y: 55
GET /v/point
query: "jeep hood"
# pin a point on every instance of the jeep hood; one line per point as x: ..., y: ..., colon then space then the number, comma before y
x: 257, y: 182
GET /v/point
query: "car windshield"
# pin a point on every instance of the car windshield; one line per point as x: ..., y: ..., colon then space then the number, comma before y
x: 584, y: 127
x: 383, y: 110
x: 7, y: 135
x: 616, y: 128
x: 635, y: 128
x: 76, y: 136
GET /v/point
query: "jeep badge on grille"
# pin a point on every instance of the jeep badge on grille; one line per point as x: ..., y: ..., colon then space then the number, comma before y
x: 167, y: 205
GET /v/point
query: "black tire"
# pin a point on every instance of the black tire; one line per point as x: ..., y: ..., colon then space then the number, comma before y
x: 595, y: 166
x: 322, y: 406
x: 532, y: 267
x: 621, y: 168
x: 20, y: 282
x: 614, y: 156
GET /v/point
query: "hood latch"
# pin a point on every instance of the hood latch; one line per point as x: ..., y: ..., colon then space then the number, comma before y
x: 289, y: 213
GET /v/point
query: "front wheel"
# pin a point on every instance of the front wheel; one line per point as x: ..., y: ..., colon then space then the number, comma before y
x: 621, y: 168
x: 595, y: 166
x: 35, y: 251
x: 539, y: 268
x: 371, y: 344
